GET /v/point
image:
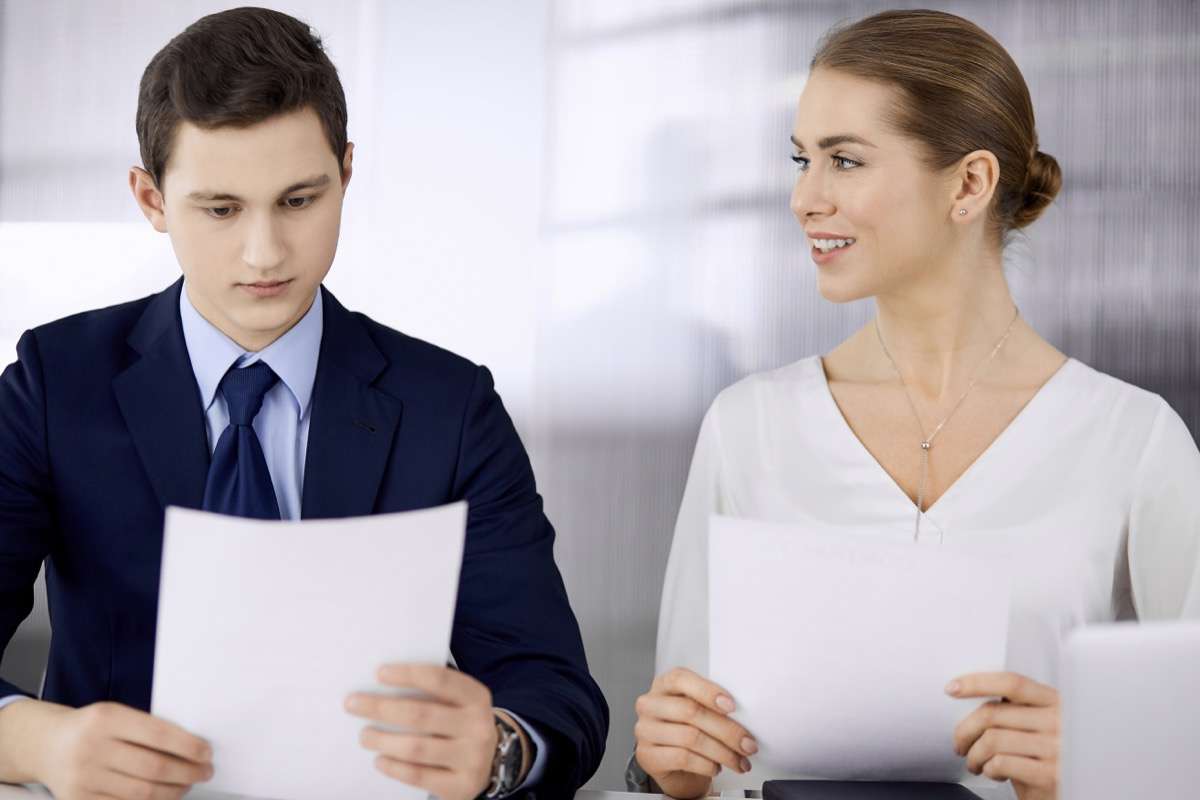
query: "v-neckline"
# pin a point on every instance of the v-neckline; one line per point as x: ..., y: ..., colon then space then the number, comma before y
x: 1005, y: 433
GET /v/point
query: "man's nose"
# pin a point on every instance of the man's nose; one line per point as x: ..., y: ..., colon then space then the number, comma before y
x: 264, y: 247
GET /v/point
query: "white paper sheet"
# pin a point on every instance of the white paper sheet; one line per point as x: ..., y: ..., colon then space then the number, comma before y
x: 837, y: 646
x: 265, y: 627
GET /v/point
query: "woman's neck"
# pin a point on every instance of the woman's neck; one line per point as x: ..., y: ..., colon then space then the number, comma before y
x: 940, y: 330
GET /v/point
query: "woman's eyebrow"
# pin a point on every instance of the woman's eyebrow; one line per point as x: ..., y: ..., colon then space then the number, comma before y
x: 834, y: 141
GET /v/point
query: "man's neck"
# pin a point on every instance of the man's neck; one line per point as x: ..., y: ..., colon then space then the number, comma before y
x: 250, y: 341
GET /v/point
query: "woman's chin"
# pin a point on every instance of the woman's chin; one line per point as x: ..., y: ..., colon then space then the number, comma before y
x: 841, y: 290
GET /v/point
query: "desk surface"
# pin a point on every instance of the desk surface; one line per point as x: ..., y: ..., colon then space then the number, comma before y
x: 10, y: 792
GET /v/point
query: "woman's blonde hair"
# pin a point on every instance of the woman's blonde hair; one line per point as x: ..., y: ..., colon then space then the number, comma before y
x: 959, y: 91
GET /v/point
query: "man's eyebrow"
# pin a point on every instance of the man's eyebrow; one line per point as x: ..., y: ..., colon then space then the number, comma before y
x: 834, y: 141
x: 309, y: 183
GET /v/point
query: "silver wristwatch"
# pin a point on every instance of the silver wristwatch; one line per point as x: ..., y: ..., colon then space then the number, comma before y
x: 506, y: 764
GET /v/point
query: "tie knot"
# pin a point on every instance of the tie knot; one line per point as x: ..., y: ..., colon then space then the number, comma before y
x: 244, y: 390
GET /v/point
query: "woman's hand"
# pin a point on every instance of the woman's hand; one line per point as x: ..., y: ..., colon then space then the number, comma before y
x: 1014, y: 738
x: 685, y: 736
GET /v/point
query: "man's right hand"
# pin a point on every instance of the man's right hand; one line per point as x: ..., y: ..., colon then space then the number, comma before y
x: 104, y: 750
x: 685, y: 736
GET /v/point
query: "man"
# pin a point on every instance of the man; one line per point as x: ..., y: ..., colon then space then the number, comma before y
x: 246, y: 388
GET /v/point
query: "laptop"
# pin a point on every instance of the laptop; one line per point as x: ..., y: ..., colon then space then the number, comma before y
x: 1131, y: 711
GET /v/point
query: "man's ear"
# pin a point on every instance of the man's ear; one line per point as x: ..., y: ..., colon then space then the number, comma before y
x: 347, y: 165
x: 148, y: 197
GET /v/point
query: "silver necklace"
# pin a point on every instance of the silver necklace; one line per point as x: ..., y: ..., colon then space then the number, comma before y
x: 927, y: 441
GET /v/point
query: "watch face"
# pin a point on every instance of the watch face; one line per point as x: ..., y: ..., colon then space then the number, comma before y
x: 512, y: 760
x: 506, y: 771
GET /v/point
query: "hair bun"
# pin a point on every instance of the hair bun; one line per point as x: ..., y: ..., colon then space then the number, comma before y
x: 1043, y: 179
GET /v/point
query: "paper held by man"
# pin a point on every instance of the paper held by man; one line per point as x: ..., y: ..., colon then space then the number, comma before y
x: 837, y: 645
x: 265, y: 627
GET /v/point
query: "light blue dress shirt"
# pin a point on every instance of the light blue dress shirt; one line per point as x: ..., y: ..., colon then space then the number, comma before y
x: 282, y: 423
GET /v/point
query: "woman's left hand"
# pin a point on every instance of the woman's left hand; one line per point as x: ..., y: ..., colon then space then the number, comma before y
x: 1014, y: 738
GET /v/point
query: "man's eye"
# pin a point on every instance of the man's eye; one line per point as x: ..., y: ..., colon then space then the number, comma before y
x: 299, y: 202
x: 223, y: 212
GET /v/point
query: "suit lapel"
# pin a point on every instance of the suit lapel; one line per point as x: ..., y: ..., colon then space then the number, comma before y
x: 353, y: 423
x: 160, y: 402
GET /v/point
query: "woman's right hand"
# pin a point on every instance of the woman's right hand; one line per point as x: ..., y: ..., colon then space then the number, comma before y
x: 685, y: 736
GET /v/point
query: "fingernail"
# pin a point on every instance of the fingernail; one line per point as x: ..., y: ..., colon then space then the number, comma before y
x: 354, y: 703
x: 953, y: 687
x: 208, y: 773
x: 745, y: 765
x: 206, y: 753
x: 749, y: 745
x: 725, y: 703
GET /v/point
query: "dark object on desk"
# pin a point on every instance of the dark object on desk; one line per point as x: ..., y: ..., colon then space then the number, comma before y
x: 865, y: 790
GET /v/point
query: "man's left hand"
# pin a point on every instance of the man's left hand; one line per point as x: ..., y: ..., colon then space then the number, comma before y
x: 1015, y: 737
x: 451, y: 734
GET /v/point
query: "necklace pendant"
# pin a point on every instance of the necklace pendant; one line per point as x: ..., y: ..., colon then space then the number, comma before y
x: 926, y: 445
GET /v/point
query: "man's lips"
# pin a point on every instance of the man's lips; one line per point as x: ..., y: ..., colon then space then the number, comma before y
x: 266, y: 288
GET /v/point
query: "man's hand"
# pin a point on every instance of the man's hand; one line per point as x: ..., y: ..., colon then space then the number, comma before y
x: 1014, y: 738
x: 104, y: 750
x: 450, y: 738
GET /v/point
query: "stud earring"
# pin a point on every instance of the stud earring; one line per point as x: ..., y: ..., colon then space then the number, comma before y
x: 962, y: 212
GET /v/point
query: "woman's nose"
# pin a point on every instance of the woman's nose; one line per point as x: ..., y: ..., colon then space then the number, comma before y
x: 809, y: 198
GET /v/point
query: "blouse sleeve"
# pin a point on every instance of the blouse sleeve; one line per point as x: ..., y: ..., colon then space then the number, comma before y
x: 683, y: 615
x: 1164, y: 524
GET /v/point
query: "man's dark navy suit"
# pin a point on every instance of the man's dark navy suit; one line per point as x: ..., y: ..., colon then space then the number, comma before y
x: 101, y: 428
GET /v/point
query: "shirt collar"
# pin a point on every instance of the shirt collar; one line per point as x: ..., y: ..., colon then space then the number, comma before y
x: 293, y: 356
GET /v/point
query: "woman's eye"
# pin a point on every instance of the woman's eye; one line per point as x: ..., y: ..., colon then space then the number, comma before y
x: 299, y: 202
x: 841, y: 162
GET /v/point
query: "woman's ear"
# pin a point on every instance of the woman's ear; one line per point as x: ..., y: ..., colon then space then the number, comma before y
x: 975, y: 181
x: 148, y: 197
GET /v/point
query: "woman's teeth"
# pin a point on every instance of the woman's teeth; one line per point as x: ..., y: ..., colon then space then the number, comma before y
x: 825, y: 245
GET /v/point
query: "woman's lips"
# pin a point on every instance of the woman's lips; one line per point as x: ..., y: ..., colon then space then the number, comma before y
x: 825, y: 258
x: 266, y: 288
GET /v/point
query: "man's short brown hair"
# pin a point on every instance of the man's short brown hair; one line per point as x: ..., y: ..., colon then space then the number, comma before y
x: 236, y: 68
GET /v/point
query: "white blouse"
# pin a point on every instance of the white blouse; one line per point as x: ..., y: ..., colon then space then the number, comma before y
x: 1092, y: 492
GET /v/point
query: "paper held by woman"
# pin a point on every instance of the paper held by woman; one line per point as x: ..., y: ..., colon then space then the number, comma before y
x: 837, y: 645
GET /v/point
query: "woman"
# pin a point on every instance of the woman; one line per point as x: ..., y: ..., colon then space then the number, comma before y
x: 947, y: 418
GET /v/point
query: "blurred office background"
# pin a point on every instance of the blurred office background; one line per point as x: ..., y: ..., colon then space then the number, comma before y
x: 591, y: 197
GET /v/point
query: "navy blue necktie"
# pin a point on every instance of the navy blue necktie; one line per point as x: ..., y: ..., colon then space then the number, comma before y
x: 239, y: 482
